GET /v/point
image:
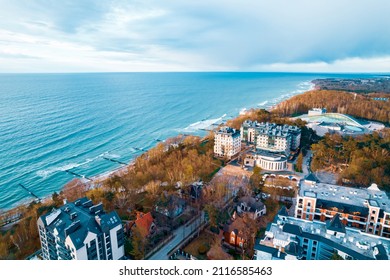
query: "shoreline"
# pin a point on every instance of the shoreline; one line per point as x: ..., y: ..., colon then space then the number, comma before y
x: 96, y: 179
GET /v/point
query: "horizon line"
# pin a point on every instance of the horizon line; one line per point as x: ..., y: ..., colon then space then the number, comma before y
x: 196, y: 71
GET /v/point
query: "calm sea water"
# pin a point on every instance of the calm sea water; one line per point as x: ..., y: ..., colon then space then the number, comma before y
x: 50, y: 123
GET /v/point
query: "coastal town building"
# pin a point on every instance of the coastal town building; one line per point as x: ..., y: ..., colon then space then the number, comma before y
x: 322, y: 122
x: 273, y: 144
x: 81, y: 231
x: 270, y: 136
x: 367, y: 210
x: 233, y: 233
x: 145, y: 224
x: 316, y: 111
x: 227, y: 142
x: 290, y: 238
x: 254, y: 208
x: 170, y: 205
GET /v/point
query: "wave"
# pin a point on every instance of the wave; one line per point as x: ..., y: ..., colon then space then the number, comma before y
x: 262, y: 103
x: 47, y: 172
x: 203, y: 124
x: 243, y: 111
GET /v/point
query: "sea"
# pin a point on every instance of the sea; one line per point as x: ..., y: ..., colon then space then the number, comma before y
x: 92, y: 123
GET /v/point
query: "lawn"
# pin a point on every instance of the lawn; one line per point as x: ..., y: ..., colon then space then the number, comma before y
x: 205, y: 239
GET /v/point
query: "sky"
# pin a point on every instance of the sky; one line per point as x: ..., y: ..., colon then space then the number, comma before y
x: 194, y: 35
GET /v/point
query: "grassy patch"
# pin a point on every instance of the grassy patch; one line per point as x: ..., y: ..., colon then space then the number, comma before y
x: 205, y: 239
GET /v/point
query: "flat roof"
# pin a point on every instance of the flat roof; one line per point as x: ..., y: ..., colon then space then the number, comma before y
x: 346, y: 195
x: 352, y: 243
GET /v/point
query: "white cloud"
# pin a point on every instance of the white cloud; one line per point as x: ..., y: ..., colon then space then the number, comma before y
x: 213, y: 35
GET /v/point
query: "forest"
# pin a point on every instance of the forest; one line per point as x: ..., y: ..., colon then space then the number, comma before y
x: 179, y: 159
x: 359, y: 105
x: 360, y: 161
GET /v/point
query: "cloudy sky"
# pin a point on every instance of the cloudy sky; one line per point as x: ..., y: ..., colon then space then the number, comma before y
x: 196, y: 35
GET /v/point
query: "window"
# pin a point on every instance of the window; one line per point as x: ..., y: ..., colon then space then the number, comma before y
x: 120, y: 237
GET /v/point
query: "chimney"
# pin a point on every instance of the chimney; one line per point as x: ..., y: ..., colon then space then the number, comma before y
x: 65, y: 201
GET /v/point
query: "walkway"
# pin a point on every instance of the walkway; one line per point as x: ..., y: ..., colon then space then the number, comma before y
x: 179, y: 234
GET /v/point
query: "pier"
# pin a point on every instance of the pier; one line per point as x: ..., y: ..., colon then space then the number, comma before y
x: 114, y: 160
x: 30, y: 192
x: 77, y: 175
x: 140, y: 149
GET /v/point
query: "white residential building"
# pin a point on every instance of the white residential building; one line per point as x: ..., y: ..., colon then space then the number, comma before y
x: 81, y: 231
x: 271, y: 137
x: 227, y: 142
x: 273, y: 143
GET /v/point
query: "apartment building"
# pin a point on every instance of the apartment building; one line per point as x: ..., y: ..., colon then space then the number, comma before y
x: 290, y: 238
x: 368, y: 210
x: 81, y: 231
x: 273, y: 144
x: 271, y: 137
x: 227, y: 142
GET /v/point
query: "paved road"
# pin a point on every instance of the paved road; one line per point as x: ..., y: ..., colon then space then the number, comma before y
x: 179, y: 235
x: 305, y: 164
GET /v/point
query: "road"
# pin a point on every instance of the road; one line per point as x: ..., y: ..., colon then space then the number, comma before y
x: 306, y: 164
x: 179, y: 234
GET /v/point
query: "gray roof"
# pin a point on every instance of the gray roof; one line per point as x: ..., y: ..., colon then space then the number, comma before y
x: 294, y: 249
x: 311, y: 178
x: 228, y: 131
x: 335, y: 224
x: 346, y: 196
x: 292, y: 229
x: 270, y: 250
x: 351, y: 243
x: 78, y: 218
x: 252, y: 203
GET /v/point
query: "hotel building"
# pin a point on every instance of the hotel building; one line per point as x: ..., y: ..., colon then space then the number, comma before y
x: 290, y: 238
x: 273, y: 143
x: 367, y: 210
x: 227, y: 142
x: 81, y: 231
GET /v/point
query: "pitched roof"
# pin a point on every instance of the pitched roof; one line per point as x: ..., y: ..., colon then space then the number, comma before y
x: 76, y: 219
x: 311, y: 177
x: 252, y: 203
x: 294, y: 249
x: 237, y: 226
x: 293, y: 229
x: 144, y: 222
x: 335, y: 224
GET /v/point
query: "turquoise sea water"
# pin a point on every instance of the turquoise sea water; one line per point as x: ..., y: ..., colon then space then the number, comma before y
x: 55, y: 122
